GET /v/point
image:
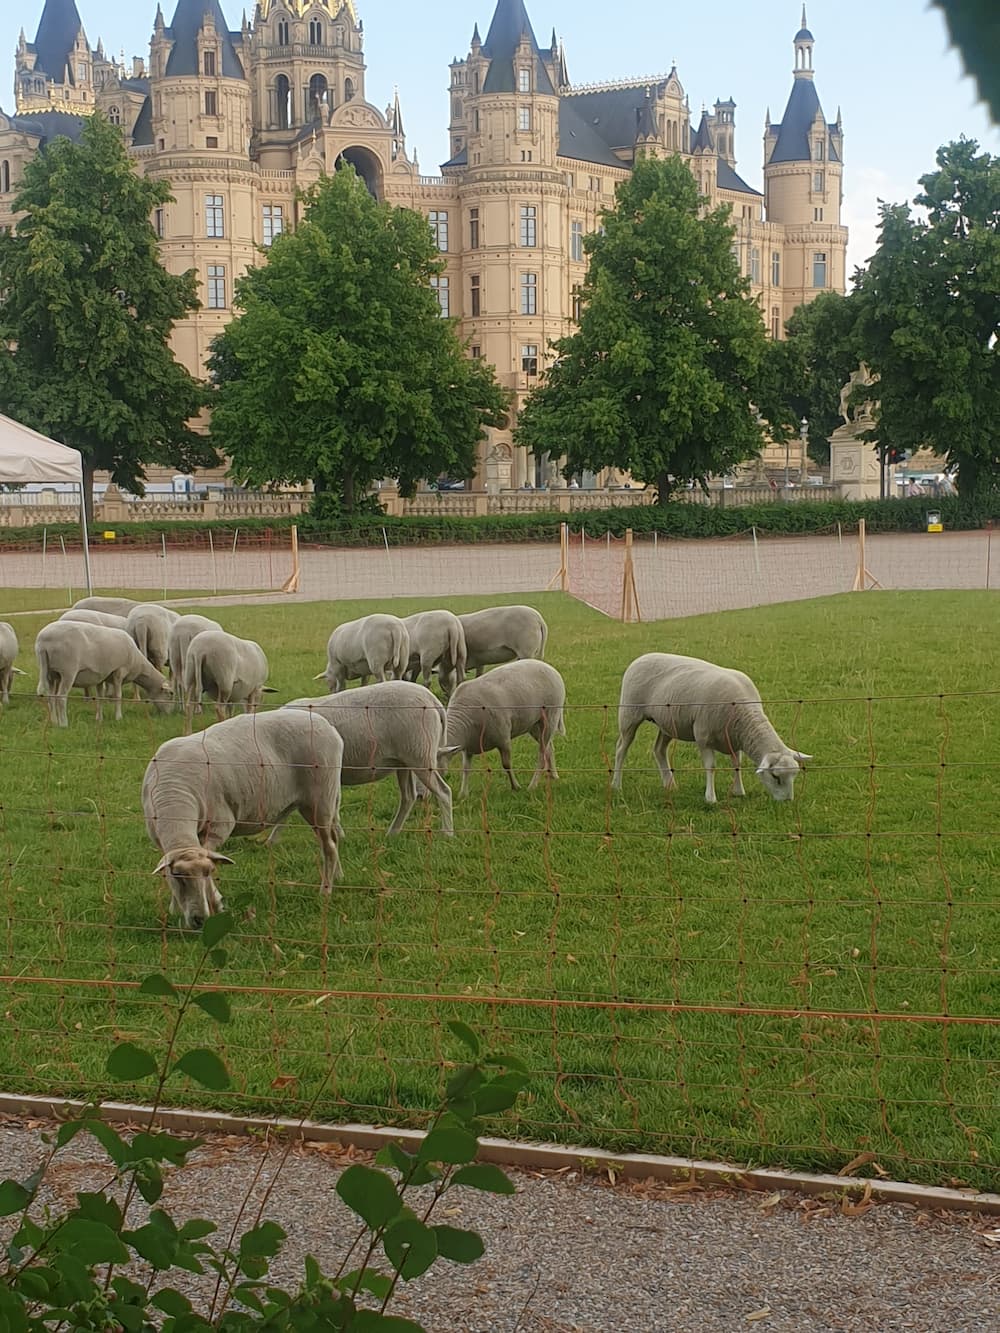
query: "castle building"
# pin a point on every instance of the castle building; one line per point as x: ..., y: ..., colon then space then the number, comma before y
x: 239, y: 122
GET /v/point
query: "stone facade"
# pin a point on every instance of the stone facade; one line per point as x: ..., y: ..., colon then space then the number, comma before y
x: 240, y: 121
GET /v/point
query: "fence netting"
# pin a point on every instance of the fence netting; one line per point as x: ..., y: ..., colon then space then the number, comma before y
x: 803, y: 984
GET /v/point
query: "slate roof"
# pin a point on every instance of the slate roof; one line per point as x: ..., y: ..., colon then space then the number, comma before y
x: 611, y: 113
x: 142, y: 130
x: 793, y: 132
x: 727, y: 179
x: 183, y: 31
x: 461, y: 159
x: 580, y: 140
x: 510, y: 22
x: 58, y: 29
x: 49, y: 125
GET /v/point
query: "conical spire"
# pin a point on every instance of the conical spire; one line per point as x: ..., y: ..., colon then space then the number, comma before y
x: 58, y: 29
x: 511, y: 26
x: 397, y: 115
x: 189, y: 18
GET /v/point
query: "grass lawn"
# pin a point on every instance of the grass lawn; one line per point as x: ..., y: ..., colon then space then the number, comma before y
x: 18, y: 600
x: 874, y: 892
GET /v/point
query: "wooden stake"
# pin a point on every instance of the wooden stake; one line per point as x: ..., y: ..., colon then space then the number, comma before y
x: 864, y: 580
x: 562, y: 573
x: 630, y: 597
x: 291, y: 584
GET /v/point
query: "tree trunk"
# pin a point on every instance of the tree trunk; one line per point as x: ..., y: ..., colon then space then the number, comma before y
x: 663, y: 488
x: 347, y: 492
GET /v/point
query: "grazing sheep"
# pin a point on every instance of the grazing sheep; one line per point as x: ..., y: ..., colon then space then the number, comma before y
x: 85, y: 617
x: 8, y: 656
x: 375, y: 645
x: 149, y: 625
x: 437, y: 643
x: 227, y: 669
x: 74, y: 653
x: 395, y: 728
x: 238, y: 778
x: 521, y: 698
x: 716, y: 707
x: 502, y: 634
x: 182, y: 631
x: 112, y: 606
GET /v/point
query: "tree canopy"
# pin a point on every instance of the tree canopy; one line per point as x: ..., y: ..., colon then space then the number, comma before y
x: 660, y: 377
x: 928, y: 316
x: 340, y: 368
x: 813, y: 363
x: 974, y: 26
x: 87, y: 312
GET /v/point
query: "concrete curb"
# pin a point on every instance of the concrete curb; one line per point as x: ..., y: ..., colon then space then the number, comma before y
x: 528, y: 1156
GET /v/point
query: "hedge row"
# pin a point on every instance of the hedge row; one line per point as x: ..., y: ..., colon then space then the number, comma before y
x: 672, y: 520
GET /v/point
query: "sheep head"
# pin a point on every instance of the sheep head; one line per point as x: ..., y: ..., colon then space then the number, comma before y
x: 778, y: 771
x: 193, y: 893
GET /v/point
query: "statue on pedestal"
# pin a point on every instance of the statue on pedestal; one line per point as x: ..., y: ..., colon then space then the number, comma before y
x: 863, y: 414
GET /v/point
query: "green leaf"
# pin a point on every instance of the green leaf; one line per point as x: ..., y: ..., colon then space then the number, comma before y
x: 154, y: 1245
x: 484, y: 1176
x: 149, y: 1182
x: 197, y: 1228
x: 264, y: 1241
x: 158, y: 985
x: 14, y: 1198
x: 128, y: 1290
x: 110, y: 1140
x: 131, y: 1319
x: 512, y: 1062
x: 160, y: 1147
x: 204, y: 1066
x: 393, y: 1154
x: 461, y: 1247
x: 410, y: 1246
x: 215, y: 1004
x: 367, y: 1279
x: 499, y: 1094
x: 453, y: 1146
x: 68, y: 1131
x: 370, y: 1194
x: 219, y: 959
x: 463, y: 1083
x: 36, y: 1283
x: 373, y: 1321
x: 12, y: 1316
x: 128, y: 1062
x: 99, y: 1208
x: 89, y: 1242
x: 465, y: 1035
x: 216, y: 928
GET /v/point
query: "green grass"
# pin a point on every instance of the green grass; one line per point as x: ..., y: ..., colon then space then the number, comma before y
x: 16, y: 600
x: 873, y: 892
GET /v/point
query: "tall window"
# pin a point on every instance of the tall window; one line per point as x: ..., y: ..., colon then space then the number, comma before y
x: 775, y: 268
x: 820, y: 150
x: 159, y: 221
x: 475, y: 122
x: 529, y: 293
x: 283, y: 32
x: 755, y: 263
x: 282, y: 102
x: 475, y: 294
x: 524, y: 79
x: 319, y: 96
x: 216, y: 287
x: 208, y: 64
x: 529, y: 359
x: 529, y: 225
x: 439, y: 229
x: 440, y: 287
x: 473, y: 228
x: 315, y: 32
x: 576, y: 306
x: 817, y: 215
x: 819, y: 269
x: 215, y: 223
x: 475, y: 351
x: 775, y: 322
x: 595, y: 184
x: 211, y: 102
x: 524, y: 118
x: 819, y: 182
x: 115, y: 115
x: 576, y: 240
x: 274, y: 222
x: 348, y: 90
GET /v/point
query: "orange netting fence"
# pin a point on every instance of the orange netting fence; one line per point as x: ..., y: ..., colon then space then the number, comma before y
x: 804, y: 984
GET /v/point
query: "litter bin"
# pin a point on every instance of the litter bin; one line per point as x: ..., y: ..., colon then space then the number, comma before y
x: 934, y: 523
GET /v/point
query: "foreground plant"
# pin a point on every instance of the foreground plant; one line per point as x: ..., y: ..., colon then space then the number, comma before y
x: 98, y: 1266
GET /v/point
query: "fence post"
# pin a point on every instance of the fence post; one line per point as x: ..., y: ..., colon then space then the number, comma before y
x: 215, y: 572
x: 163, y: 540
x: 291, y: 584
x: 756, y: 552
x: 989, y: 549
x: 864, y: 581
x: 630, y: 598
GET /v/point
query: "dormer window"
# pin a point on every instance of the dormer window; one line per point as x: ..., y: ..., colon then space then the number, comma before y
x: 524, y: 80
x: 820, y: 150
x: 208, y: 62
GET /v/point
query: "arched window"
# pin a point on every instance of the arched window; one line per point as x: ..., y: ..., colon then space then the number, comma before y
x: 319, y: 96
x: 282, y: 32
x: 348, y: 89
x: 282, y: 102
x: 315, y: 32
x: 115, y: 115
x: 4, y: 177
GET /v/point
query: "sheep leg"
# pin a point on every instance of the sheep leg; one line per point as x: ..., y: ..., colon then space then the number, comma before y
x: 466, y: 770
x: 436, y: 785
x: 626, y: 735
x: 661, y: 753
x: 116, y: 694
x: 326, y: 836
x: 407, y: 799
x: 708, y: 759
x: 508, y: 764
x: 738, y: 789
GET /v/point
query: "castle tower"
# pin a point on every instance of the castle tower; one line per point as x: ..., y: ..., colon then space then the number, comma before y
x: 56, y: 71
x: 199, y: 137
x: 803, y: 171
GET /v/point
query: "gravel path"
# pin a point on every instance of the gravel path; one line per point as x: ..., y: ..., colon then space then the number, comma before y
x: 572, y: 1256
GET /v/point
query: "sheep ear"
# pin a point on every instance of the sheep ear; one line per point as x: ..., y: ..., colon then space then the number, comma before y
x: 18, y: 672
x: 802, y: 758
x: 321, y: 676
x: 269, y: 689
x: 163, y: 867
x: 222, y: 860
x: 763, y: 767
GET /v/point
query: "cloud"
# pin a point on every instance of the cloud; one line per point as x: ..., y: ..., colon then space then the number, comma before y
x: 866, y: 186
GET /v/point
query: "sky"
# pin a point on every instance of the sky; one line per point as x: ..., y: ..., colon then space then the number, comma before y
x: 885, y: 63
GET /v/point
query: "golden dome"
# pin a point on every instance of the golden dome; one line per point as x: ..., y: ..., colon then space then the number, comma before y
x: 299, y: 7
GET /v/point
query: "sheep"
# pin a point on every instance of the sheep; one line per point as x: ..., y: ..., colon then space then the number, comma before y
x: 227, y: 669
x: 395, y: 728
x: 8, y: 656
x: 113, y: 606
x: 375, y: 645
x: 74, y: 653
x: 149, y: 625
x: 239, y: 778
x: 437, y: 642
x: 716, y: 707
x: 521, y: 698
x: 87, y: 617
x: 182, y: 631
x: 502, y: 634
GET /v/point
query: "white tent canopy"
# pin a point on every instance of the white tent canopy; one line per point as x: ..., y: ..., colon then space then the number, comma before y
x: 26, y: 456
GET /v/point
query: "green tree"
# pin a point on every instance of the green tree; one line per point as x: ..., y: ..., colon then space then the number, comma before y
x: 974, y: 26
x: 814, y: 361
x: 660, y: 376
x: 929, y: 317
x: 87, y: 312
x: 340, y: 369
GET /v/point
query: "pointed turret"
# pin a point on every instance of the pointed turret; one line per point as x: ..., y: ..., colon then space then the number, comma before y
x: 477, y: 41
x: 58, y: 30
x: 510, y: 27
x: 794, y: 139
x: 646, y: 130
x: 703, y: 141
x: 190, y: 17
